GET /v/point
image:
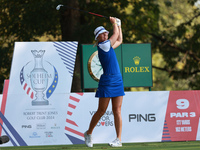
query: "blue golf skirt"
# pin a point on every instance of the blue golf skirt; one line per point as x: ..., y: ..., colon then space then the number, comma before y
x: 110, y: 86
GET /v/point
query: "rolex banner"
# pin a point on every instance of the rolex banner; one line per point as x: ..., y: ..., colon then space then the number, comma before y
x: 39, y: 87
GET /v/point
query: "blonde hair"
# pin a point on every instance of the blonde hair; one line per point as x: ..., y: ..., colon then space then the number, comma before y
x: 96, y: 43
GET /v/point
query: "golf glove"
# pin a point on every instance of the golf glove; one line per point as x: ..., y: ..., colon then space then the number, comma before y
x: 118, y: 22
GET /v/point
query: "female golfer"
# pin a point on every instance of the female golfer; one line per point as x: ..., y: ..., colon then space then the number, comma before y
x: 111, y: 83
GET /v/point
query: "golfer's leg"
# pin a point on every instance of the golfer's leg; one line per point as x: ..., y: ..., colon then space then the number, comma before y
x: 103, y: 104
x: 116, y: 107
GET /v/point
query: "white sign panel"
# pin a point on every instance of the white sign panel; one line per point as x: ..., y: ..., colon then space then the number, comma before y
x: 39, y: 88
x: 143, y: 115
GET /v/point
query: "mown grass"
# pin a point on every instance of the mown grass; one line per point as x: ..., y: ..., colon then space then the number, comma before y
x: 190, y: 145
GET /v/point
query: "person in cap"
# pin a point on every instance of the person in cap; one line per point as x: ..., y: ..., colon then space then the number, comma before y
x: 110, y: 84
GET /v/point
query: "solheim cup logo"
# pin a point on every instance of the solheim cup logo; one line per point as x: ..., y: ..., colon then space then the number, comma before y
x: 37, y: 81
x: 39, y: 78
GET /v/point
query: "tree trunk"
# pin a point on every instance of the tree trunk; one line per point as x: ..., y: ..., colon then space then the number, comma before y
x: 70, y: 19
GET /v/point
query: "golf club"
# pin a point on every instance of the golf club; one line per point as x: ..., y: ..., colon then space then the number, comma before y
x: 68, y: 7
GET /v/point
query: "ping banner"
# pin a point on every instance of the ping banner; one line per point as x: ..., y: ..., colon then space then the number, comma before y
x: 143, y: 115
x: 147, y: 117
x: 38, y: 91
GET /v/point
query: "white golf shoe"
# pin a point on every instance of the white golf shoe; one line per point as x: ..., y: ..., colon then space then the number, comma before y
x: 116, y: 143
x: 88, y: 139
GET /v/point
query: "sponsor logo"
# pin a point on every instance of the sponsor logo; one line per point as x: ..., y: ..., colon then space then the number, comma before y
x: 49, y: 134
x: 136, y: 69
x: 39, y: 79
x: 26, y: 126
x: 106, y: 120
x: 140, y: 117
x: 41, y: 126
x: 55, y: 126
x: 136, y: 60
x: 34, y: 135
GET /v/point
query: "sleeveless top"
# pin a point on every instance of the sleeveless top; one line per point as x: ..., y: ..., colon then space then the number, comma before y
x: 110, y: 83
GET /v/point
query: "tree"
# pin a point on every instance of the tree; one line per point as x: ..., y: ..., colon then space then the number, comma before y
x: 24, y: 21
x: 172, y: 27
x: 27, y: 20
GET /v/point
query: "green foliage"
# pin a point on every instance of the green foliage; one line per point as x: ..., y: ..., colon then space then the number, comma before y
x: 179, y: 38
x: 24, y: 20
x: 173, y: 29
x: 188, y: 145
x: 88, y: 22
x: 171, y: 26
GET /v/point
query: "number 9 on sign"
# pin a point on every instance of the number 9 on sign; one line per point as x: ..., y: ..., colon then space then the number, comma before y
x: 182, y: 103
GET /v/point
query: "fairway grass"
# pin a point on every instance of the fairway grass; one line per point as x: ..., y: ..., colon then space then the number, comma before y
x: 190, y: 145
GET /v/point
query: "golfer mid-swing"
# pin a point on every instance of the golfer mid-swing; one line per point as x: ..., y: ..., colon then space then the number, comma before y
x: 111, y: 83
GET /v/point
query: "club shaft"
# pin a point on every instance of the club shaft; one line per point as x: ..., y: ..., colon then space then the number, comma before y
x: 85, y: 11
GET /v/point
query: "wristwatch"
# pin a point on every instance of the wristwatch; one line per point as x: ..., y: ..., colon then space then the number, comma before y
x: 94, y: 66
